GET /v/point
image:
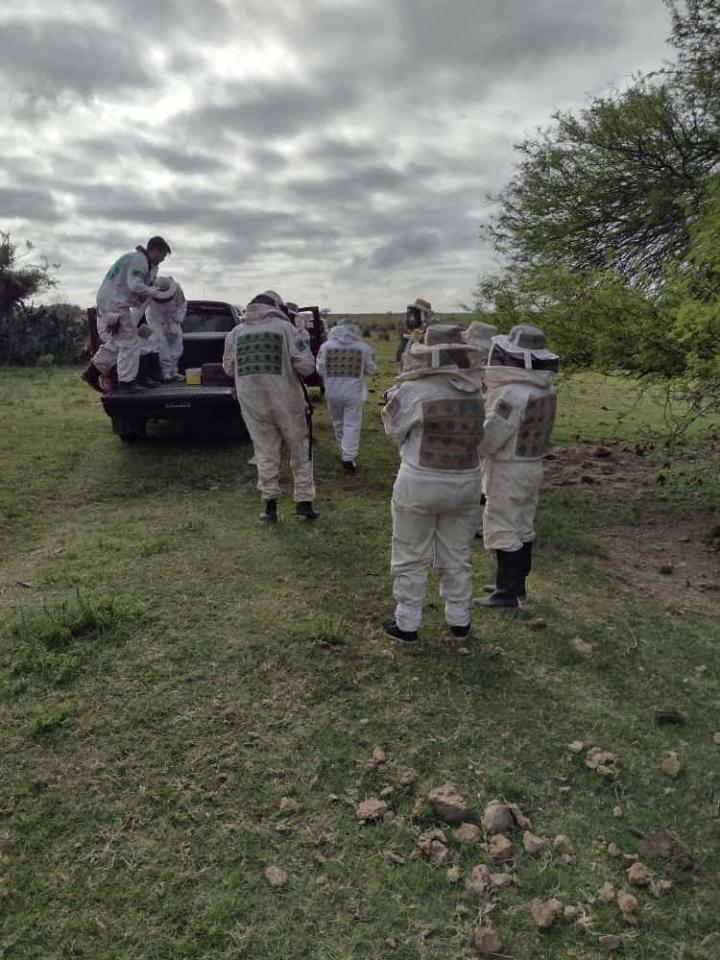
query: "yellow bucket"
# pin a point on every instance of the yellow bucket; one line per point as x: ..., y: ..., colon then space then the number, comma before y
x: 193, y: 376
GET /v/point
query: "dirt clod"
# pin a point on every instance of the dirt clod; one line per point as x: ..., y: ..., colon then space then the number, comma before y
x: 276, y: 876
x: 614, y: 850
x: 583, y: 648
x: 577, y: 746
x: 602, y: 762
x: 545, y: 912
x: 479, y: 880
x: 571, y: 913
x: 611, y: 941
x: 629, y: 907
x: 533, y: 845
x: 289, y: 805
x: 454, y: 874
x: 371, y: 809
x: 563, y: 845
x: 491, y: 650
x: 449, y: 804
x: 670, y: 765
x: 501, y: 881
x: 487, y: 941
x: 467, y: 833
x: 499, y: 849
x: 536, y: 623
x: 639, y: 874
x: 607, y: 893
x: 408, y: 778
x: 433, y: 847
x: 378, y: 757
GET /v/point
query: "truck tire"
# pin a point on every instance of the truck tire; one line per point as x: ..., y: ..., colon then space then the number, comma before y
x: 129, y: 429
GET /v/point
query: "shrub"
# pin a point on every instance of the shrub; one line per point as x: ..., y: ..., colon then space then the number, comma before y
x: 43, y: 335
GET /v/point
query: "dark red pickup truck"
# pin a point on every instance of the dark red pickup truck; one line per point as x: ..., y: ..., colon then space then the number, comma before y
x: 206, y: 325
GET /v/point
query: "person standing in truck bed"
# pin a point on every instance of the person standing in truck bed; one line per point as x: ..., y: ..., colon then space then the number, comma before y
x: 127, y: 285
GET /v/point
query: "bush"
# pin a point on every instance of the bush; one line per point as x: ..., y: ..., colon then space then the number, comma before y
x: 42, y: 336
x: 367, y: 332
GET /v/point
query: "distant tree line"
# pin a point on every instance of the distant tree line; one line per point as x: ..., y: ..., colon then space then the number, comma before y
x: 610, y: 227
x: 30, y: 335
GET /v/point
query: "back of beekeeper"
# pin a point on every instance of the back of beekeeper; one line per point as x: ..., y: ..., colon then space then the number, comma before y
x: 267, y: 356
x: 521, y: 404
x: 127, y: 285
x: 343, y: 360
x: 435, y: 415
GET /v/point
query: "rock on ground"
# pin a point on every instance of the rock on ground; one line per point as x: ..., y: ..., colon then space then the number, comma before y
x: 499, y: 849
x: 487, y: 941
x: 276, y: 876
x: 433, y: 846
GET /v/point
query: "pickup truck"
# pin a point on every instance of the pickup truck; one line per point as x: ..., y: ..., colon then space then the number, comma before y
x: 206, y: 325
x: 207, y: 322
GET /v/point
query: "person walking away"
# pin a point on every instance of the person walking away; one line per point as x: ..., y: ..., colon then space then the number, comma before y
x: 521, y: 404
x: 343, y: 360
x: 128, y: 283
x: 267, y: 356
x: 435, y: 415
x: 165, y: 313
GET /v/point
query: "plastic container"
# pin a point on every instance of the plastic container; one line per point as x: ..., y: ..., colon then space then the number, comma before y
x: 193, y: 376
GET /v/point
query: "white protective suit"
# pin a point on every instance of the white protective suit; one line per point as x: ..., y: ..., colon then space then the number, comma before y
x: 521, y: 408
x: 267, y: 356
x: 165, y: 314
x: 129, y: 282
x: 343, y: 360
x: 435, y: 415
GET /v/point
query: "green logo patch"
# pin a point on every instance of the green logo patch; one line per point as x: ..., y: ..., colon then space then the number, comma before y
x: 259, y: 353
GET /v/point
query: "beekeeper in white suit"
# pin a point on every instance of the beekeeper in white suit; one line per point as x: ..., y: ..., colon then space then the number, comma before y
x: 165, y: 313
x: 521, y: 404
x: 435, y: 415
x: 343, y: 361
x: 267, y: 356
x: 128, y: 283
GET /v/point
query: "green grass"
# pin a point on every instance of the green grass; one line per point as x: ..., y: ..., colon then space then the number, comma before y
x: 171, y: 670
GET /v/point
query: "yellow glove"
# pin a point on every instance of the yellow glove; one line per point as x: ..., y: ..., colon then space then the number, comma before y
x: 144, y: 331
x: 162, y: 283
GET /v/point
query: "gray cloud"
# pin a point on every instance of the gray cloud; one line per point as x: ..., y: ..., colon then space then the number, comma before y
x: 335, y: 148
x: 53, y: 57
x: 27, y: 204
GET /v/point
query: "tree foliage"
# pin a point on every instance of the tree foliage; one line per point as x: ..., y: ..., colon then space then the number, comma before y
x: 29, y: 334
x: 610, y: 226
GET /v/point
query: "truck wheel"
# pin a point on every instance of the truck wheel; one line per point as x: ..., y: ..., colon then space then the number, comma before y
x: 129, y: 429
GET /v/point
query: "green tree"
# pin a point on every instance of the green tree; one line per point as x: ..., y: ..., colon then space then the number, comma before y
x: 29, y: 334
x: 610, y: 227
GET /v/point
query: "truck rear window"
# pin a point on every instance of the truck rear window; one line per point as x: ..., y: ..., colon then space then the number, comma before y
x: 208, y: 320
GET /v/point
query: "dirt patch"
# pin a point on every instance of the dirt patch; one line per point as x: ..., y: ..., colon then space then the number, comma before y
x: 612, y: 464
x: 671, y: 557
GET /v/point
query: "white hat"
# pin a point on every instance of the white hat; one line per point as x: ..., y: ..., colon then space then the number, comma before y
x: 523, y: 347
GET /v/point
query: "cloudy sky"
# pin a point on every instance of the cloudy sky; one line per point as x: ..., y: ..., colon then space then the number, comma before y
x: 339, y: 151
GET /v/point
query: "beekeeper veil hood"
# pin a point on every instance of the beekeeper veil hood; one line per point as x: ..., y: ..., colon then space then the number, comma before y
x: 480, y: 335
x: 166, y: 289
x: 444, y: 351
x: 524, y: 348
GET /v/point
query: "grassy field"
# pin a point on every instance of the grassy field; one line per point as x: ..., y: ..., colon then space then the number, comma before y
x: 189, y: 698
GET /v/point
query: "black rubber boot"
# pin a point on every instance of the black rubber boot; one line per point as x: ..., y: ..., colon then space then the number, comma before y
x: 269, y: 515
x: 144, y: 377
x: 130, y: 386
x: 525, y: 567
x: 392, y: 630
x: 460, y: 633
x: 91, y: 376
x: 306, y: 511
x: 508, y: 583
x: 349, y: 466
